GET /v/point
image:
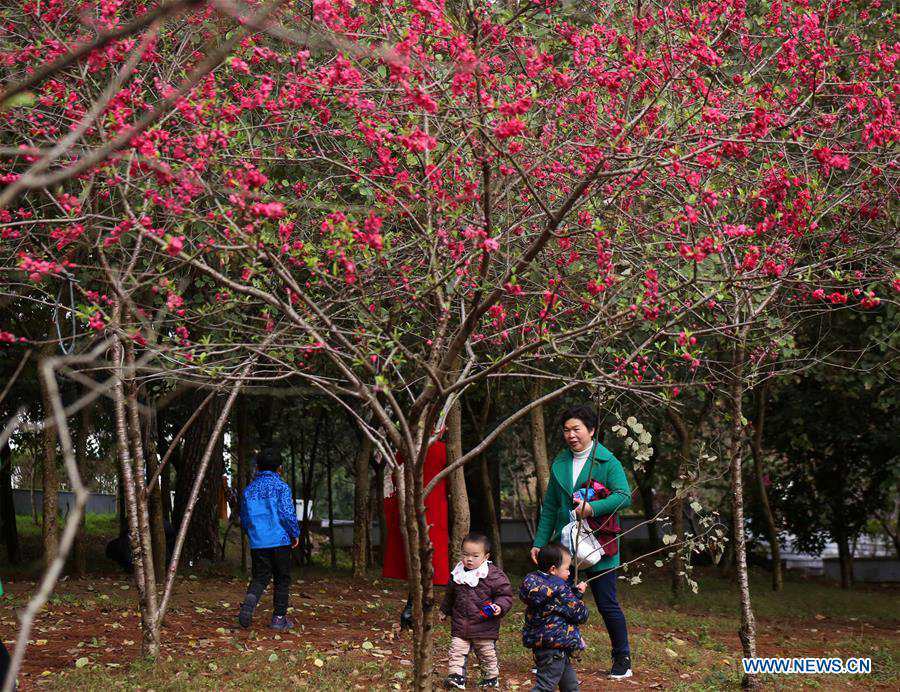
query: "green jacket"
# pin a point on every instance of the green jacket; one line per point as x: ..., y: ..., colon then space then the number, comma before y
x: 558, y: 499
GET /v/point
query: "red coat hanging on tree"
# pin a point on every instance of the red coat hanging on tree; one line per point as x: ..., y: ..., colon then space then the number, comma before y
x: 435, y: 514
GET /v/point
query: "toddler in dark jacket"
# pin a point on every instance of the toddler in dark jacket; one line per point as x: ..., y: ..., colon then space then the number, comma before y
x: 477, y: 597
x: 554, y: 611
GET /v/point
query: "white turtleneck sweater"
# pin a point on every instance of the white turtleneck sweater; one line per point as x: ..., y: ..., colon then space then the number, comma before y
x: 578, y: 461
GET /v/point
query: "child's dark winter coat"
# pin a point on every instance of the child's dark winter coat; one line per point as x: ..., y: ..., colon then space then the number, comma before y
x: 553, y: 613
x: 464, y: 603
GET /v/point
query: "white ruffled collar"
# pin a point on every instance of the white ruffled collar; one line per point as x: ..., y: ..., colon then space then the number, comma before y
x: 470, y: 577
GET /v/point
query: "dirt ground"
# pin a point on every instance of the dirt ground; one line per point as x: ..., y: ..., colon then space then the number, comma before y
x: 347, y: 635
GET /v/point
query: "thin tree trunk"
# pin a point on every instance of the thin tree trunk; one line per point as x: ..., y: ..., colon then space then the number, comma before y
x: 148, y: 596
x: 456, y: 484
x: 845, y: 559
x: 7, y: 508
x: 149, y: 630
x: 332, y: 549
x: 648, y: 495
x: 747, y: 632
x: 361, y: 523
x: 420, y: 567
x: 539, y: 443
x: 490, y: 507
x: 50, y: 481
x: 379, y: 501
x: 685, y: 442
x: 308, y: 476
x: 165, y: 478
x: 154, y: 497
x: 771, y: 525
x: 34, y: 467
x: 243, y: 469
x: 491, y: 510
x: 79, y: 547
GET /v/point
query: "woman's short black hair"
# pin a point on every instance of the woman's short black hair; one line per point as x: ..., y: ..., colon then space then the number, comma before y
x: 477, y: 538
x: 551, y: 555
x: 268, y: 460
x: 586, y: 414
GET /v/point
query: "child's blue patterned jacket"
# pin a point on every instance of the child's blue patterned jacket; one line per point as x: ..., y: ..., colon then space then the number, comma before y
x: 267, y: 512
x: 553, y: 613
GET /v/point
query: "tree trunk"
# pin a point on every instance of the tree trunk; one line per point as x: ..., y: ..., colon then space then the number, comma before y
x: 165, y: 478
x: 420, y: 568
x: 539, y: 443
x: 50, y: 479
x: 361, y: 524
x: 7, y: 508
x: 154, y: 497
x: 747, y: 632
x: 307, y: 477
x: 332, y: 548
x: 492, y: 519
x: 79, y: 547
x: 648, y: 495
x: 149, y: 629
x: 491, y: 510
x: 771, y: 525
x: 243, y: 469
x: 148, y: 603
x: 379, y: 502
x: 845, y: 558
x: 685, y: 436
x: 456, y: 484
x: 202, y: 540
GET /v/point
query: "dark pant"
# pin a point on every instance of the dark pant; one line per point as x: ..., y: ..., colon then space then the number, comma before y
x: 604, y: 590
x: 554, y: 669
x: 272, y: 564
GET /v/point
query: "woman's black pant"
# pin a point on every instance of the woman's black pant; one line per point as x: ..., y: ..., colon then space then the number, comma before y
x: 271, y: 564
x: 604, y: 590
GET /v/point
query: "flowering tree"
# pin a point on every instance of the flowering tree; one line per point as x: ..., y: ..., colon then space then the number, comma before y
x: 392, y: 201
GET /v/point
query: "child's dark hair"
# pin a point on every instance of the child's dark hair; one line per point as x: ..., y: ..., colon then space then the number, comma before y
x: 551, y: 555
x: 268, y: 460
x: 477, y: 538
x: 586, y: 414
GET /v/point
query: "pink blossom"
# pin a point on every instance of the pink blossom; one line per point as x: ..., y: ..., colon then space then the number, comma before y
x: 268, y: 210
x: 509, y: 128
x: 96, y: 322
x: 490, y: 245
x: 175, y: 245
x: 418, y: 141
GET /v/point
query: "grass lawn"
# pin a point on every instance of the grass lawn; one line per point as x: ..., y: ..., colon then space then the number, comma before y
x: 88, y: 639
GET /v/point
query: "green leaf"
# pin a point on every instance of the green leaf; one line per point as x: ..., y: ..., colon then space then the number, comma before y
x: 26, y: 98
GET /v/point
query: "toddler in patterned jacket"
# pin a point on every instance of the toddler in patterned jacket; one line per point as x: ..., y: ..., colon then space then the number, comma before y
x: 554, y: 611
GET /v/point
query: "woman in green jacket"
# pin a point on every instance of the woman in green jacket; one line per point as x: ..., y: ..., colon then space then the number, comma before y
x: 573, y: 468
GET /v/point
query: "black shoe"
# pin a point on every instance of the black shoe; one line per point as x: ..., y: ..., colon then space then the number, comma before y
x: 489, y: 682
x: 245, y: 615
x: 281, y: 623
x: 455, y: 682
x: 621, y: 668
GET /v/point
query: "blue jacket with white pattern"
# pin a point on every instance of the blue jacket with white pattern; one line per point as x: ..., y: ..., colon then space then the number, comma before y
x: 267, y: 512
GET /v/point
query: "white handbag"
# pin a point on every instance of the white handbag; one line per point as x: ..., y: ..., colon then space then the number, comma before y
x: 578, y: 538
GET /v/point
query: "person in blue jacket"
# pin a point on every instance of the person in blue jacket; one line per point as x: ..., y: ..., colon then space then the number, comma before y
x: 270, y: 521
